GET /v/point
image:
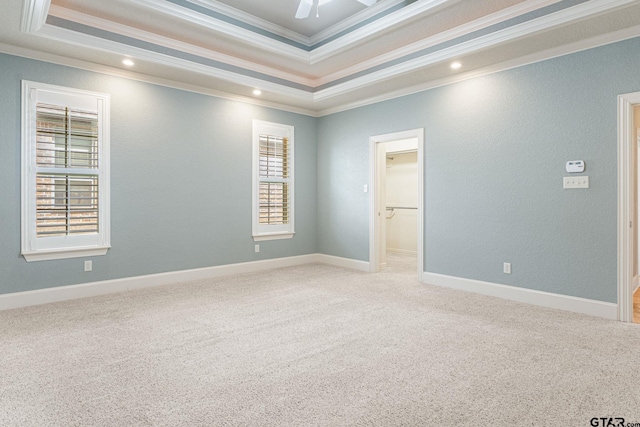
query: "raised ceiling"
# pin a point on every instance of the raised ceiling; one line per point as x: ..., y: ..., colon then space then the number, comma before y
x: 350, y: 55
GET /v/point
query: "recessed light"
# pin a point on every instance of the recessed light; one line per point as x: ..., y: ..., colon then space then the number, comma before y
x: 257, y: 92
x: 456, y: 65
x: 128, y: 62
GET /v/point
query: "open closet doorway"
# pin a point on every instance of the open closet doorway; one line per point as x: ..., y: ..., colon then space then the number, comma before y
x: 628, y: 212
x: 396, y: 201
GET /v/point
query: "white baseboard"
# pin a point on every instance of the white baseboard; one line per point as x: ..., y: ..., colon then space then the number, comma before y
x: 545, y: 299
x: 343, y: 262
x: 401, y: 251
x: 64, y: 293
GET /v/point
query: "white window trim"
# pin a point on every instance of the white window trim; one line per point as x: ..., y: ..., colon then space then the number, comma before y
x: 272, y: 232
x: 51, y: 248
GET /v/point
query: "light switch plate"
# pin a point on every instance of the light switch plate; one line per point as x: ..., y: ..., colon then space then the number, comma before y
x: 571, y: 182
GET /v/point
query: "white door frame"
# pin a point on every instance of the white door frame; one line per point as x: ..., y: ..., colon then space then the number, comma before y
x: 375, y: 214
x: 626, y: 210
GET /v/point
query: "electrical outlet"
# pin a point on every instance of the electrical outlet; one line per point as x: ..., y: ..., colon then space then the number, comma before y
x: 88, y: 265
x: 257, y: 248
x: 506, y: 268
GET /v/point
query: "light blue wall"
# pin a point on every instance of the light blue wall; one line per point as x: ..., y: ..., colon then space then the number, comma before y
x: 180, y: 180
x: 495, y: 150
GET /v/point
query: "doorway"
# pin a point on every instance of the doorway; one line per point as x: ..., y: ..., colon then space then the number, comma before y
x: 394, y: 213
x: 628, y: 212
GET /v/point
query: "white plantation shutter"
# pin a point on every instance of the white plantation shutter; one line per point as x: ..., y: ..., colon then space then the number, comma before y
x: 66, y: 139
x: 65, y: 172
x: 273, y: 181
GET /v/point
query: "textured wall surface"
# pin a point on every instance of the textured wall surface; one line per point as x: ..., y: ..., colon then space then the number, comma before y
x: 180, y: 180
x: 495, y: 150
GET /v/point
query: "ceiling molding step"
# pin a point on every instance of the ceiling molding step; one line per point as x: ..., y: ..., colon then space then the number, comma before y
x: 490, y: 40
x: 121, y: 29
x: 132, y: 75
x: 478, y: 24
x: 354, y: 20
x: 249, y: 37
x: 253, y: 20
x: 80, y: 39
x: 34, y: 15
x: 257, y: 22
x: 582, y: 45
x: 374, y: 28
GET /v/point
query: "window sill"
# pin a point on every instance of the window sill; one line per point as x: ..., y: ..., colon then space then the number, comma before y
x: 65, y: 253
x: 278, y: 236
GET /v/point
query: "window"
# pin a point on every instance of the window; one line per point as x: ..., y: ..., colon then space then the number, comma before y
x: 273, y: 213
x: 65, y: 172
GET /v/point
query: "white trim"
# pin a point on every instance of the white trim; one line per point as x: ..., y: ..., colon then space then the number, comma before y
x: 374, y: 238
x: 353, y: 20
x: 80, y: 39
x: 229, y: 30
x: 293, y: 95
x: 375, y: 28
x: 545, y: 55
x: 35, y: 248
x: 71, y: 292
x: 626, y: 254
x: 65, y: 253
x: 343, y: 262
x: 401, y: 251
x: 606, y: 310
x: 247, y: 18
x: 273, y: 236
x: 438, y: 38
x: 490, y: 40
x: 132, y: 75
x: 272, y: 231
x: 125, y: 30
x: 63, y: 293
x: 306, y: 97
x: 294, y: 36
x: 34, y: 15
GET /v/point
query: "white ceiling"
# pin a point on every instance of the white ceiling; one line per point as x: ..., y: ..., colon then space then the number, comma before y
x: 282, y: 13
x: 351, y: 55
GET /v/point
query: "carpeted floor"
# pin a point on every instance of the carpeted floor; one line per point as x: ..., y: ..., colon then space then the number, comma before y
x: 313, y: 345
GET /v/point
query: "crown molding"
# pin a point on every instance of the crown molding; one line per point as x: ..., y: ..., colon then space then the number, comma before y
x: 353, y: 21
x: 34, y: 15
x: 582, y: 45
x: 72, y: 37
x: 132, y: 75
x: 490, y: 40
x: 103, y: 24
x: 229, y: 30
x: 34, y: 9
x: 375, y: 28
x: 294, y: 36
x: 478, y: 24
x: 253, y: 20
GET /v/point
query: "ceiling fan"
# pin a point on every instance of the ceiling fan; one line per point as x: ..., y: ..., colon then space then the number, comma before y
x: 304, y: 9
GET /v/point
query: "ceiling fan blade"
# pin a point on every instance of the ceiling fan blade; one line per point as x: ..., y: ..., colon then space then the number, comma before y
x: 304, y: 9
x: 368, y: 2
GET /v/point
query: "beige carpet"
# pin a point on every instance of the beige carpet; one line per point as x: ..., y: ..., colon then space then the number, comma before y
x: 313, y: 345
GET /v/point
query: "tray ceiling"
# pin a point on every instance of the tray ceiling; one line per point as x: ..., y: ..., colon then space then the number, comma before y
x: 351, y: 55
